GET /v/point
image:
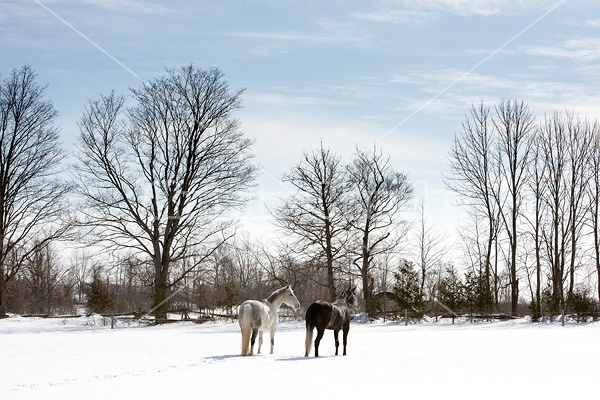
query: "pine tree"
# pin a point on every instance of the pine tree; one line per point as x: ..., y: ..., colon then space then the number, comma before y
x: 408, y: 289
x: 99, y: 299
x: 451, y: 290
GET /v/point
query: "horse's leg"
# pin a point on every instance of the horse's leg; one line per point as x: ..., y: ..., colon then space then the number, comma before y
x: 320, y: 333
x: 346, y: 329
x: 260, y: 340
x: 337, y: 342
x: 252, y: 340
x: 273, y: 329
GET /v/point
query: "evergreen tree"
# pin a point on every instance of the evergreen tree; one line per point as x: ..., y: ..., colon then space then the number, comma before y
x: 477, y: 296
x: 407, y: 289
x: 99, y: 300
x: 451, y: 290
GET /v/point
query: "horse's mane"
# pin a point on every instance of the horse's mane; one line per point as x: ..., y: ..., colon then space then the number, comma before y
x: 340, y: 301
x: 343, y: 297
x: 276, y: 294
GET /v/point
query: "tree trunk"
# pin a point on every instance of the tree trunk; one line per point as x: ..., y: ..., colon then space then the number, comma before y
x: 2, y: 294
x: 364, y: 272
x: 328, y: 248
x: 330, y: 281
x: 538, y: 274
x: 367, y: 288
x: 595, y: 221
x: 514, y: 281
x: 161, y: 304
x: 487, y: 272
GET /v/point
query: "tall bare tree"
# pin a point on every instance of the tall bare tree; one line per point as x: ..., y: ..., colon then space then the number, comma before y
x: 158, y: 177
x: 514, y: 124
x: 316, y: 213
x: 379, y: 195
x: 566, y: 144
x: 536, y: 184
x: 32, y: 199
x: 554, y: 147
x: 594, y: 198
x: 473, y: 176
x: 580, y: 137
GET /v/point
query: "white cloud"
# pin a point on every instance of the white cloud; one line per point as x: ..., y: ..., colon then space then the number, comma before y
x: 342, y: 36
x: 483, y: 7
x: 537, y: 86
x: 397, y: 16
x: 137, y: 6
x: 579, y: 49
x: 593, y: 22
x: 290, y: 36
x: 419, y: 12
x: 283, y: 99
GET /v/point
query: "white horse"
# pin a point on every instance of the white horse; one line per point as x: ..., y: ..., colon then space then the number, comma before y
x: 255, y: 316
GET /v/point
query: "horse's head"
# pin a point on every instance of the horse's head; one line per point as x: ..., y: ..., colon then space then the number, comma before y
x: 290, y: 299
x: 350, y: 297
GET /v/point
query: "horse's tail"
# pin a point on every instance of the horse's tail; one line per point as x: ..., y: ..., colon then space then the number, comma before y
x: 245, y: 321
x: 308, y: 342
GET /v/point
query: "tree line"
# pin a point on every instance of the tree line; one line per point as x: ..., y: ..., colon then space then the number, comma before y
x: 157, y: 172
x: 531, y: 185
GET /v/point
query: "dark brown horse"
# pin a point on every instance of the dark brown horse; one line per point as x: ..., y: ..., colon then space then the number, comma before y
x: 335, y: 316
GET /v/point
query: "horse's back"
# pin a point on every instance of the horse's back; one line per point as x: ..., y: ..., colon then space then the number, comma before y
x: 255, y: 313
x: 318, y: 314
x: 340, y: 316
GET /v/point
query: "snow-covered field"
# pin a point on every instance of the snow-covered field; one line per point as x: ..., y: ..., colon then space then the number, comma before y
x: 83, y: 359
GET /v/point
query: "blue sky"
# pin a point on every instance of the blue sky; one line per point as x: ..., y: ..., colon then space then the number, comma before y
x: 401, y: 74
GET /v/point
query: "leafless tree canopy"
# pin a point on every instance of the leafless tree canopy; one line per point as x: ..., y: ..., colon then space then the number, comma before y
x: 317, y: 213
x: 32, y: 200
x: 566, y: 146
x: 474, y: 177
x: 514, y: 124
x: 157, y: 176
x: 531, y: 184
x: 160, y: 170
x: 379, y: 194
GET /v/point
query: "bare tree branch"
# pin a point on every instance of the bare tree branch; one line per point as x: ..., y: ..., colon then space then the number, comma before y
x: 32, y: 199
x: 157, y: 177
x: 379, y: 195
x: 316, y: 214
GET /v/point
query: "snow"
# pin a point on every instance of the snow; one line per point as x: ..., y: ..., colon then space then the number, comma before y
x: 84, y: 358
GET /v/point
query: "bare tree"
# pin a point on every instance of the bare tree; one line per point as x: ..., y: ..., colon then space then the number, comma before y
x: 566, y: 144
x: 473, y: 176
x: 594, y: 198
x: 49, y: 287
x: 315, y: 214
x: 580, y: 150
x: 158, y: 177
x: 247, y: 258
x: 554, y: 145
x: 379, y: 194
x: 32, y: 199
x: 429, y: 246
x: 514, y: 124
x: 536, y: 183
x: 80, y: 266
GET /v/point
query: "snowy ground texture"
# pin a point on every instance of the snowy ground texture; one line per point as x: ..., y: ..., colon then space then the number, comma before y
x: 84, y: 359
